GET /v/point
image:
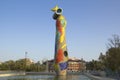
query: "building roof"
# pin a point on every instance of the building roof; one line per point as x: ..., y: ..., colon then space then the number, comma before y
x: 70, y: 59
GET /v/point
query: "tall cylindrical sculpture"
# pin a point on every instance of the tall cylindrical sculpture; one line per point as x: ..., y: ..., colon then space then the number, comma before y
x: 61, y: 54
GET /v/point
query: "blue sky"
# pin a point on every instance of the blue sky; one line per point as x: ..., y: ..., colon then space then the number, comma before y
x: 27, y: 26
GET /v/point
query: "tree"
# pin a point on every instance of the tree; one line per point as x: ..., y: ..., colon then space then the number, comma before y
x: 22, y: 65
x: 102, y: 61
x: 10, y: 64
x: 93, y: 65
x: 114, y: 42
x: 112, y: 57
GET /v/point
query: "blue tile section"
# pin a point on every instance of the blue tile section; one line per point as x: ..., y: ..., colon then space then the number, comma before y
x: 63, y: 65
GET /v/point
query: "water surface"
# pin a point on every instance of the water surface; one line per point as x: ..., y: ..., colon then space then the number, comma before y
x: 46, y: 77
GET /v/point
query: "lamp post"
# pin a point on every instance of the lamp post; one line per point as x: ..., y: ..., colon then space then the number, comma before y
x: 25, y: 60
x: 26, y: 55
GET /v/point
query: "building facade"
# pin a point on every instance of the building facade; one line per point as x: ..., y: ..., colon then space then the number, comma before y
x: 74, y: 65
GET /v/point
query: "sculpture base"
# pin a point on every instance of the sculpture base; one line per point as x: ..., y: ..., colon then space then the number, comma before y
x: 61, y: 73
x: 60, y: 78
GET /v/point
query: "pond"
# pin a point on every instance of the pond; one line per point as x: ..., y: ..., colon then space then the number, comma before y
x: 46, y: 77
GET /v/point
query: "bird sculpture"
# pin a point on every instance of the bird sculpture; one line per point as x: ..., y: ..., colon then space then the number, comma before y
x: 61, y: 54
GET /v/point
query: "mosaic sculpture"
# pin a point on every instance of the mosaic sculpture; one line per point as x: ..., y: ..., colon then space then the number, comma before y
x: 61, y: 54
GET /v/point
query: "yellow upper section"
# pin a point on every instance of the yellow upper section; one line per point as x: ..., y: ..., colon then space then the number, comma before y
x: 55, y: 8
x: 61, y: 17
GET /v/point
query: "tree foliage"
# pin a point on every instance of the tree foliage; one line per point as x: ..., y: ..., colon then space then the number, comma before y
x: 111, y: 59
x: 94, y: 65
x: 114, y: 42
x: 22, y: 65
